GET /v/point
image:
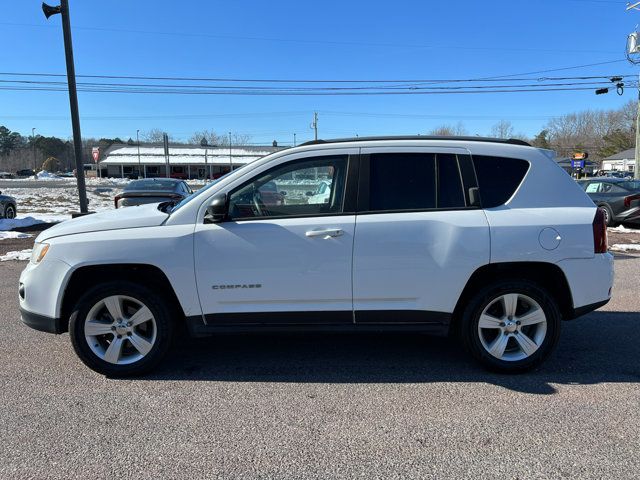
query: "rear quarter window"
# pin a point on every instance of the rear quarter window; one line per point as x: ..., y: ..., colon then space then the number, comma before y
x: 498, y: 178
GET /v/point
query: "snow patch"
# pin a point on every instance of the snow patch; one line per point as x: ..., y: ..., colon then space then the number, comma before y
x: 46, y: 176
x: 4, y: 235
x: 625, y: 247
x: 22, y: 255
x: 6, y: 224
x: 623, y: 229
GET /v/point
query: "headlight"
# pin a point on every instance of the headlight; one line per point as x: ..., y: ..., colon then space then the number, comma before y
x: 38, y: 252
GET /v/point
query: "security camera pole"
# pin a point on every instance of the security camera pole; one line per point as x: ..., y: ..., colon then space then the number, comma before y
x: 63, y: 9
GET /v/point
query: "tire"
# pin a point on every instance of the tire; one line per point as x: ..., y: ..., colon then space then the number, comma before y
x: 10, y: 212
x: 121, y: 348
x: 608, y: 215
x: 525, y: 345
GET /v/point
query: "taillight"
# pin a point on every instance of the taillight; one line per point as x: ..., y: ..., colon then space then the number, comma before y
x: 631, y: 198
x: 116, y: 200
x: 599, y: 232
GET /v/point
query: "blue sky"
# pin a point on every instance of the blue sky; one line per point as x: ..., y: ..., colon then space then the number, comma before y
x: 311, y: 40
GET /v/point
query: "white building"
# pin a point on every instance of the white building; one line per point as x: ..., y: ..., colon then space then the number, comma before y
x: 623, y: 162
x: 184, y: 161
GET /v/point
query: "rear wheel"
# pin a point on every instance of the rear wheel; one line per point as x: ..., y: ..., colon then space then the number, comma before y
x: 608, y: 215
x: 511, y: 326
x: 10, y: 212
x: 120, y: 329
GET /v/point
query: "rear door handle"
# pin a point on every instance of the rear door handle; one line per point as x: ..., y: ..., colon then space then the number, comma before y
x: 330, y: 232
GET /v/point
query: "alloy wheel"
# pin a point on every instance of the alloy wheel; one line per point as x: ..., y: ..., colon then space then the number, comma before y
x: 120, y: 330
x: 512, y: 327
x: 10, y: 212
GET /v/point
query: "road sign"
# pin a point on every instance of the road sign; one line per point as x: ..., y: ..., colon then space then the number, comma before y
x: 577, y: 163
x: 95, y: 151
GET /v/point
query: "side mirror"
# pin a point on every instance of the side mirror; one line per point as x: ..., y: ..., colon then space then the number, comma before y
x: 309, y: 194
x: 283, y: 193
x: 217, y: 209
x: 474, y: 197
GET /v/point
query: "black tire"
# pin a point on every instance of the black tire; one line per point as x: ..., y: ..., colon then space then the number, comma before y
x: 162, y: 313
x: 608, y: 215
x: 470, y: 336
x: 10, y: 212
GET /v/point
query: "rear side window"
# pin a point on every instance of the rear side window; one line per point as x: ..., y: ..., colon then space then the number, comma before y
x: 498, y: 178
x: 402, y: 181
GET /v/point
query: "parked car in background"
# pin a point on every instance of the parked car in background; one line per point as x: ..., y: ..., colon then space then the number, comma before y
x: 618, y: 174
x: 8, y: 207
x: 6, y: 175
x: 483, y: 239
x: 27, y: 172
x: 152, y: 190
x: 618, y: 198
x: 321, y: 195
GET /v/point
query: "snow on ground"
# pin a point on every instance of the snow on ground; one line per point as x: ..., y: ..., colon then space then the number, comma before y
x: 625, y: 247
x: 6, y: 224
x: 4, y: 235
x: 623, y: 229
x: 23, y: 255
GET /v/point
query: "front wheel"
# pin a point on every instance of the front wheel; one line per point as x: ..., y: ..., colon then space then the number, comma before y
x: 511, y: 326
x: 10, y: 212
x: 120, y: 329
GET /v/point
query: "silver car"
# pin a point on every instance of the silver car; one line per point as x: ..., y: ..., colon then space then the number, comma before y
x: 7, y: 206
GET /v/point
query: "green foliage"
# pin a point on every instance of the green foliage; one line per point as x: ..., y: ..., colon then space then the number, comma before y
x: 50, y: 146
x: 617, y: 141
x: 541, y: 140
x: 9, y: 140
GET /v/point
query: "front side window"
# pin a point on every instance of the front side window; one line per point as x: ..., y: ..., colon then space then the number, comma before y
x: 293, y: 189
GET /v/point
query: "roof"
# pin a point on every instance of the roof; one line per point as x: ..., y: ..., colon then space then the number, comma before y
x: 184, y: 155
x: 624, y: 155
x: 511, y: 141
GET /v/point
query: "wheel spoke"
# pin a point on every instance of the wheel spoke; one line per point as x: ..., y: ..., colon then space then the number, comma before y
x: 498, y: 345
x: 141, y: 316
x: 94, y: 328
x: 510, y: 302
x: 487, y: 321
x: 527, y: 345
x: 140, y: 344
x: 112, y: 355
x: 532, y: 317
x: 114, y: 307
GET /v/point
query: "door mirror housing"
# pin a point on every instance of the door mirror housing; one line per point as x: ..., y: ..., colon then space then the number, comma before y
x: 217, y: 209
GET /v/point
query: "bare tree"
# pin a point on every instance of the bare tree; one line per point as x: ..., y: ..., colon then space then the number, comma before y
x: 211, y: 137
x: 449, y: 130
x: 154, y: 136
x: 502, y: 129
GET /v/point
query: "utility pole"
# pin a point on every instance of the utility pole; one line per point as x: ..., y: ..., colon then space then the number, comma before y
x: 33, y: 147
x: 139, y: 162
x: 63, y: 9
x: 230, y: 158
x: 314, y: 124
x: 633, y: 49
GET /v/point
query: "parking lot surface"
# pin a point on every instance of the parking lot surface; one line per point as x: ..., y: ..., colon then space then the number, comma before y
x: 326, y: 406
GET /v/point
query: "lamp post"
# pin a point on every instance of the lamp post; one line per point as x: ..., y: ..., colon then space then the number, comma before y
x: 63, y: 9
x: 139, y: 162
x: 230, y: 160
x: 294, y: 139
x: 33, y: 147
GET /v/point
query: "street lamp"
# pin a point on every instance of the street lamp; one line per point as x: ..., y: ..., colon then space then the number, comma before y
x: 33, y: 147
x: 139, y: 162
x: 63, y: 9
x: 230, y: 160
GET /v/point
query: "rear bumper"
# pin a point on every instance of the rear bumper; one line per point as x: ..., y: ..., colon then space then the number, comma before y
x: 41, y: 322
x: 590, y: 281
x: 580, y: 311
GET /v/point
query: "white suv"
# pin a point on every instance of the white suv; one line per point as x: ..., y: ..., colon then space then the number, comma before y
x: 488, y: 240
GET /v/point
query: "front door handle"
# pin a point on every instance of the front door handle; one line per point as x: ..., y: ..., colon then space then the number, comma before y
x: 328, y: 233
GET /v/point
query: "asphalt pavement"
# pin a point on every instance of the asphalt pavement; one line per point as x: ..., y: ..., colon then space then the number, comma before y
x: 326, y: 406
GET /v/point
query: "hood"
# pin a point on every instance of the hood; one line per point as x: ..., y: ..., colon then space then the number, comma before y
x: 131, y: 217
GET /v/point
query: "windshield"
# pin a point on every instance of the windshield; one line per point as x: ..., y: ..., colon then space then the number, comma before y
x: 152, y: 184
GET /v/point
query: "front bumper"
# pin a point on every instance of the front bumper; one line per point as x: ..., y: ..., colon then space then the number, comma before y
x: 42, y: 322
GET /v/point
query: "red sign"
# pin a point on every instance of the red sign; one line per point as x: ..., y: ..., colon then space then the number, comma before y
x: 96, y: 154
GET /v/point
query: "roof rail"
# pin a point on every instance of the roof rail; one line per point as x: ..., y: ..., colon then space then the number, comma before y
x: 511, y: 141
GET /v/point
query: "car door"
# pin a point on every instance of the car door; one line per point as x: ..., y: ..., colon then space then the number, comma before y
x: 420, y: 234
x: 282, y: 260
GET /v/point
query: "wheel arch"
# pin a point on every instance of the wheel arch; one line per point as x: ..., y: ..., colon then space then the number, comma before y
x: 548, y: 275
x: 90, y: 275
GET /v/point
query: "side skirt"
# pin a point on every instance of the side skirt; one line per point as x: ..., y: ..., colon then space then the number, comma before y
x: 436, y: 323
